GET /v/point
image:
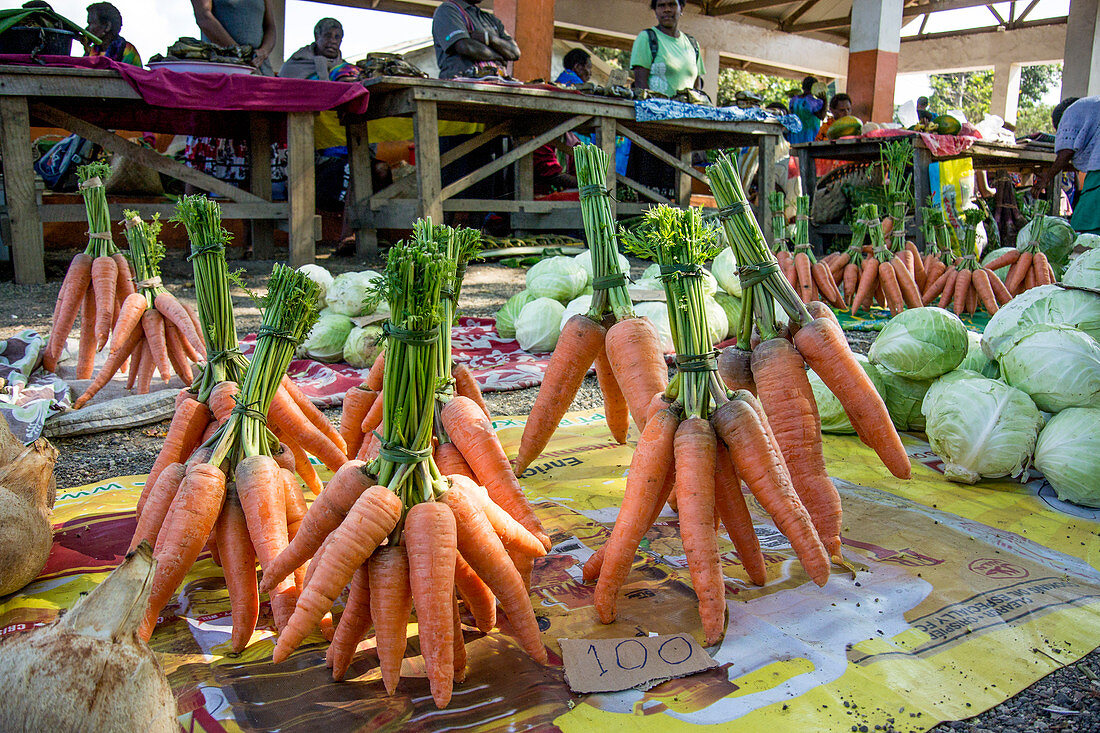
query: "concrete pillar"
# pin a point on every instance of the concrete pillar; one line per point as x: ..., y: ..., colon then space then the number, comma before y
x: 1081, y: 68
x: 1006, y: 91
x: 712, y: 61
x: 873, y: 58
x: 531, y: 23
x: 278, y: 53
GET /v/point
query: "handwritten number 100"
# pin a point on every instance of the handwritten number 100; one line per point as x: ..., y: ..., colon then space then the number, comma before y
x: 665, y: 656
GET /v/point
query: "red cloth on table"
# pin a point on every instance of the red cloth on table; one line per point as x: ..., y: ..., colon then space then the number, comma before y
x: 939, y: 145
x: 243, y: 92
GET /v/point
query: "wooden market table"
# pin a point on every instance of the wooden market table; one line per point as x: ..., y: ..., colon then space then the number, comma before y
x: 530, y: 116
x: 70, y: 97
x: 985, y: 156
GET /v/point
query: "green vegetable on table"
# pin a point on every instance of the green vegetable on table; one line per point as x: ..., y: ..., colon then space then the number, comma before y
x: 1059, y: 366
x: 1068, y: 454
x: 920, y: 343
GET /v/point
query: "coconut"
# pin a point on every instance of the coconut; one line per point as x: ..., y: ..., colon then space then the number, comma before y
x: 89, y: 670
x: 27, y: 489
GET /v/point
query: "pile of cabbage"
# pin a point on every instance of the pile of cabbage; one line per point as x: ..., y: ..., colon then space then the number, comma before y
x: 1025, y: 393
x: 560, y: 287
x: 349, y: 327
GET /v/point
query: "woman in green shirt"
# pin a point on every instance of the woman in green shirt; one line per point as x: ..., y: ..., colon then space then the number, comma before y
x: 677, y: 63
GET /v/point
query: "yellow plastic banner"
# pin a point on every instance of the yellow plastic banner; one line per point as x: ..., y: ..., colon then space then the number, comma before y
x: 961, y: 597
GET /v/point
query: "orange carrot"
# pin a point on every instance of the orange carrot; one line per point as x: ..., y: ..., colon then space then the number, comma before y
x: 357, y: 401
x: 147, y: 366
x: 822, y: 344
x: 85, y: 364
x: 135, y: 365
x: 302, y: 465
x: 578, y: 346
x: 730, y: 505
x: 786, y: 265
x: 1018, y: 271
x: 636, y: 355
x: 1030, y: 280
x: 155, y: 509
x: 376, y: 373
x: 962, y: 289
x: 761, y: 466
x: 473, y: 434
x: 373, y: 418
x: 222, y: 399
x: 1005, y: 260
x: 129, y: 318
x: 181, y: 364
x: 173, y: 312
x: 590, y: 573
x: 284, y: 457
x: 868, y: 280
x: 1000, y: 292
x: 980, y: 280
x: 949, y: 287
x: 369, y: 450
x: 514, y: 535
x: 371, y: 519
x: 479, y: 600
x: 449, y: 460
x: 485, y: 553
x: 354, y: 623
x: 431, y: 545
x: 185, y: 530
x: 805, y: 278
x: 694, y: 447
x: 313, y: 414
x: 295, y: 512
x: 390, y: 604
x: 788, y: 401
x: 239, y: 566
x: 920, y: 276
x: 1041, y: 265
x: 104, y: 281
x: 263, y: 499
x: 286, y: 414
x: 615, y: 410
x: 645, y: 488
x: 733, y: 368
x: 887, y: 277
x: 937, y: 280
x: 825, y: 284
x: 124, y: 284
x: 467, y: 386
x: 114, y: 361
x: 152, y: 323
x: 69, y: 301
x: 910, y: 291
x: 326, y: 513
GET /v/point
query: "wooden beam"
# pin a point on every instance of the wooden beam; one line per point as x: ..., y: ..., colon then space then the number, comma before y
x: 259, y: 152
x: 143, y: 156
x: 361, y: 188
x: 791, y: 17
x: 821, y: 25
x: 1027, y: 11
x: 937, y: 6
x: 646, y: 191
x: 987, y: 29
x: 301, y: 187
x: 512, y: 156
x: 27, y: 247
x: 656, y: 152
x: 428, y: 168
x: 748, y: 7
x: 608, y: 134
x: 923, y: 24
x: 49, y: 212
x: 996, y: 15
x: 474, y: 143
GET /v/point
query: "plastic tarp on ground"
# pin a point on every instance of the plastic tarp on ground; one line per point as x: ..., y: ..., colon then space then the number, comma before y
x: 962, y: 596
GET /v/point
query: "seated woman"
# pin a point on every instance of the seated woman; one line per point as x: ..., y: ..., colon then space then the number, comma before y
x: 839, y: 106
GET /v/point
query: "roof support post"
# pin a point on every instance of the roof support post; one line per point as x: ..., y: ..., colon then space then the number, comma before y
x: 1006, y: 91
x: 873, y: 58
x: 531, y: 23
x: 1081, y: 69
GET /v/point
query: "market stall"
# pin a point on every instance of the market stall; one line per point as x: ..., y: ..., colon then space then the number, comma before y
x: 91, y: 96
x: 532, y: 116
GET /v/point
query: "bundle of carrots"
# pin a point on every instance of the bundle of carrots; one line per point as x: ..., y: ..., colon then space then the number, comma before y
x: 362, y: 412
x: 159, y: 332
x: 1028, y: 264
x: 96, y: 284
x: 237, y: 487
x: 890, y: 270
x: 966, y: 284
x: 625, y: 348
x: 405, y: 535
x: 811, y: 279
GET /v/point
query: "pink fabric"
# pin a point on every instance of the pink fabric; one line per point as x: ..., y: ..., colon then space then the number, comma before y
x: 939, y: 145
x: 240, y: 92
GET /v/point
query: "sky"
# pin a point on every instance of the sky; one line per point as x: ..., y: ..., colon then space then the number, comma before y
x: 152, y: 25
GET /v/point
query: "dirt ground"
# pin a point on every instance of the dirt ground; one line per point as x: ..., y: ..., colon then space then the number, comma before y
x: 1066, y: 700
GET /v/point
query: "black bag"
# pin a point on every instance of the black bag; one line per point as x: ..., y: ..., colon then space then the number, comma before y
x: 58, y: 166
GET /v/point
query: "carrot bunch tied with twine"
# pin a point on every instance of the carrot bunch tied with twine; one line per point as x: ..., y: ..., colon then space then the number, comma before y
x: 97, y: 282
x: 1028, y: 266
x: 624, y: 348
x: 406, y: 536
x: 232, y: 487
x: 154, y: 331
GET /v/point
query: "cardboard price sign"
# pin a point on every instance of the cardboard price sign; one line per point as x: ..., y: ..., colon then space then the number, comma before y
x: 608, y: 665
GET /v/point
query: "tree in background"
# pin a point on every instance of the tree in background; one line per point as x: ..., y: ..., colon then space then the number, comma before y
x: 617, y: 57
x: 769, y: 88
x: 972, y: 92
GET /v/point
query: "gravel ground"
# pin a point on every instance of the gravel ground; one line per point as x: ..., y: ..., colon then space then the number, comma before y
x: 1065, y: 700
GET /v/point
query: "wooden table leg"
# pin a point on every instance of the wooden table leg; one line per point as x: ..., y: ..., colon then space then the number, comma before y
x: 259, y: 151
x: 428, y: 174
x: 683, y: 180
x: 609, y: 129
x: 765, y: 184
x: 361, y: 190
x: 301, y: 187
x: 524, y: 172
x: 27, y: 246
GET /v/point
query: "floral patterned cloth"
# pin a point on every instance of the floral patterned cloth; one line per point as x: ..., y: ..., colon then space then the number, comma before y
x: 28, y: 397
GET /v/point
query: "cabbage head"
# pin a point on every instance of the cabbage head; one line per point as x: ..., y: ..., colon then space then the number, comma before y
x: 903, y: 397
x: 325, y: 341
x: 1048, y: 304
x: 976, y: 360
x: 362, y: 346
x: 579, y: 305
x: 506, y: 316
x: 1056, y: 241
x: 724, y: 269
x: 561, y: 278
x: 353, y: 293
x: 322, y: 277
x: 1059, y: 366
x: 833, y: 417
x: 1086, y: 241
x: 643, y: 288
x: 980, y: 427
x: 988, y: 257
x: 539, y: 324
x: 731, y: 304
x: 584, y: 259
x: 652, y: 272
x: 1084, y: 270
x: 717, y: 322
x: 657, y: 313
x: 920, y: 343
x: 1068, y: 454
